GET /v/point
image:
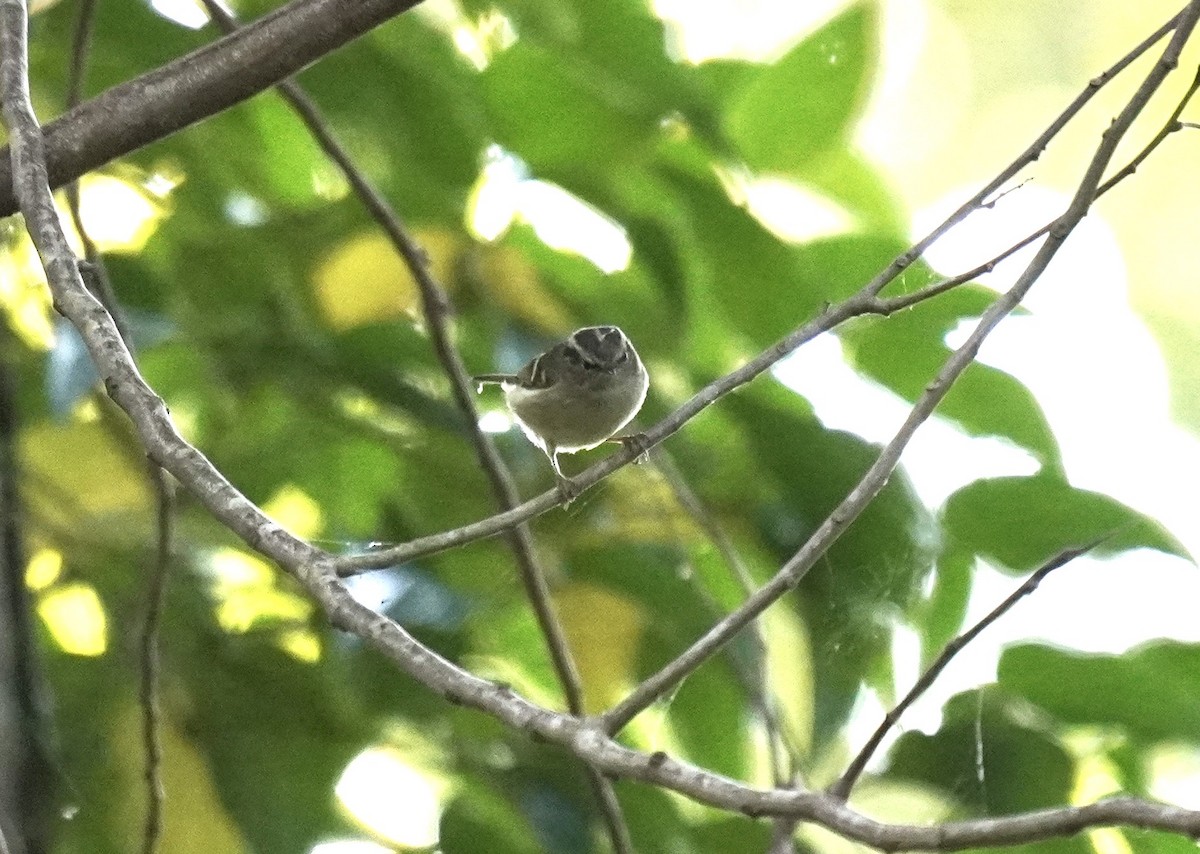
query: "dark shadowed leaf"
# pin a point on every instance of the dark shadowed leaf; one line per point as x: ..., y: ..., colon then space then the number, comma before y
x: 987, y: 756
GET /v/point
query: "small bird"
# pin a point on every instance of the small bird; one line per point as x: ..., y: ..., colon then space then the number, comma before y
x: 576, y: 395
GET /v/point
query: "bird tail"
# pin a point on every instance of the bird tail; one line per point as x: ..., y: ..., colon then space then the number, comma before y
x: 493, y: 379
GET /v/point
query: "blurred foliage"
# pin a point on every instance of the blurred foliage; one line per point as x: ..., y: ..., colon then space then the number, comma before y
x: 285, y: 337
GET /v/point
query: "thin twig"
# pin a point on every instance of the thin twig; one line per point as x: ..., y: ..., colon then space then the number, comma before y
x: 149, y: 692
x: 315, y: 569
x: 841, y: 789
x: 437, y: 310
x: 790, y: 574
x: 1170, y: 126
x: 781, y: 750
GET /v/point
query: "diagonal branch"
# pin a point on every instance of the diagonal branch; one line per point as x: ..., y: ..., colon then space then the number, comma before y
x: 841, y: 789
x: 198, y: 85
x: 437, y: 310
x: 865, y: 301
x: 315, y: 569
x: 877, y: 475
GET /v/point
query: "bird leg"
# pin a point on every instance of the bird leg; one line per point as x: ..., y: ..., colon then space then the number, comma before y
x: 568, y: 490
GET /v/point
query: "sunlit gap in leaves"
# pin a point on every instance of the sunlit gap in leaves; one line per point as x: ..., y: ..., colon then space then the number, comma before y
x: 940, y: 458
x: 1100, y: 378
x: 120, y: 213
x: 295, y: 511
x: 477, y: 38
x: 789, y: 210
x: 1096, y: 777
x: 75, y: 618
x: 495, y: 421
x: 504, y: 195
x: 186, y: 13
x: 1089, y: 360
x: 1175, y: 774
x: 24, y: 297
x: 351, y: 846
x: 394, y: 794
x: 44, y: 568
x: 247, y: 597
x: 764, y: 29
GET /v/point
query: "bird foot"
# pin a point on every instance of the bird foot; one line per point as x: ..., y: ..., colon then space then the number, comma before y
x: 638, y: 443
x: 568, y: 490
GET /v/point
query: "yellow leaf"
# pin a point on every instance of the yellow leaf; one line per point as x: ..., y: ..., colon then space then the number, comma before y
x: 366, y: 281
x: 78, y: 473
x: 603, y: 629
x: 513, y: 283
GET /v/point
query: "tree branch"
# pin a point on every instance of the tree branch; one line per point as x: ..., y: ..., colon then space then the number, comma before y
x: 437, y: 310
x: 98, y: 280
x: 865, y: 301
x: 316, y: 570
x: 841, y: 789
x: 873, y: 481
x: 200, y: 84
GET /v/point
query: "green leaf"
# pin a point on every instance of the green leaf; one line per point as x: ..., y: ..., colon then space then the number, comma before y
x: 421, y: 141
x: 983, y: 401
x: 1153, y: 693
x: 1157, y: 842
x: 870, y: 576
x: 942, y: 614
x: 708, y: 709
x: 277, y: 740
x: 756, y: 283
x: 1020, y: 522
x: 794, y: 110
x: 559, y: 115
x: 481, y: 821
x: 987, y: 756
x: 861, y: 187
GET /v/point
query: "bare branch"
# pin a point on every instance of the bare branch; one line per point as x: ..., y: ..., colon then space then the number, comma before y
x: 866, y: 301
x: 96, y: 277
x: 148, y: 690
x: 586, y: 740
x: 873, y: 481
x: 437, y: 310
x: 200, y: 84
x: 841, y: 789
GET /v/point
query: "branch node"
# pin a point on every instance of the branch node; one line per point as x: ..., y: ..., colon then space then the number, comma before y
x: 751, y: 809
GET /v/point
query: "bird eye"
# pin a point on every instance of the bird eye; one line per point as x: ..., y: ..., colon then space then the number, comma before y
x: 624, y: 357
